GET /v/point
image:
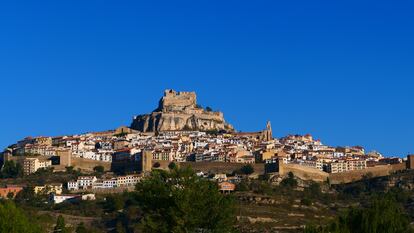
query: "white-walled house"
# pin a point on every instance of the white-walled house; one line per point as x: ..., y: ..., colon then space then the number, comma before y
x: 73, y: 185
x: 71, y: 197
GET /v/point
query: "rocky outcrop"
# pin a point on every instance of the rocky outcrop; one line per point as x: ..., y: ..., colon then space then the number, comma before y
x: 178, y: 111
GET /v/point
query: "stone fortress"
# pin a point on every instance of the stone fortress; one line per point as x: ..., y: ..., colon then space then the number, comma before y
x: 178, y: 111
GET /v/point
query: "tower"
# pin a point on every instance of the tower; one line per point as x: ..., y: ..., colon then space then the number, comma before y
x: 267, y: 133
x: 146, y: 161
x: 65, y: 157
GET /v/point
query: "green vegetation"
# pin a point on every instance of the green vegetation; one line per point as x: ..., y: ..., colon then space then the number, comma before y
x: 177, y: 201
x: 13, y: 219
x: 247, y: 169
x: 81, y: 228
x: 172, y: 166
x: 11, y: 170
x: 99, y: 170
x: 60, y: 225
x: 290, y: 181
x: 384, y: 215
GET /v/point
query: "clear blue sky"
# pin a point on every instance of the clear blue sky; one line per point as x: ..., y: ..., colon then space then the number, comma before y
x: 340, y: 70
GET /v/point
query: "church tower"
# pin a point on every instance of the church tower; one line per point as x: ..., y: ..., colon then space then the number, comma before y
x: 266, y: 135
x: 269, y: 135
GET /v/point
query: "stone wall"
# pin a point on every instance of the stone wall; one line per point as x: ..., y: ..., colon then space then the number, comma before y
x: 177, y: 101
x: 304, y: 173
x: 89, y: 164
x: 222, y: 167
x: 307, y: 173
x: 377, y: 171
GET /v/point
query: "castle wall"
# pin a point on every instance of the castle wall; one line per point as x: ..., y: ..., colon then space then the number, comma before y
x: 178, y: 111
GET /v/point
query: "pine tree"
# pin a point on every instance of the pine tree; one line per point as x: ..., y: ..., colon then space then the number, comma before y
x: 60, y: 225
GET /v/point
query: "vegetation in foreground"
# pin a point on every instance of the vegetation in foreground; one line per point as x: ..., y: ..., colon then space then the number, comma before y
x: 179, y: 201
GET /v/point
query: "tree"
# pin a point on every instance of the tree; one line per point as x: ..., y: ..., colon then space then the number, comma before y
x: 13, y: 219
x: 99, y: 169
x: 383, y: 215
x: 314, y: 190
x: 180, y: 201
x: 114, y: 203
x: 290, y: 181
x: 328, y: 181
x: 69, y: 169
x: 247, y: 169
x: 81, y: 228
x: 27, y: 194
x: 119, y: 227
x: 172, y: 165
x: 60, y: 225
x: 10, y: 195
x: 11, y: 170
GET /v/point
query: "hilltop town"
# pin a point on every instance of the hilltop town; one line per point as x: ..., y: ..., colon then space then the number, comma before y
x: 179, y: 132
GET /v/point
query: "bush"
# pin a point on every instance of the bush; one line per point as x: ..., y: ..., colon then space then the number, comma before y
x: 247, y: 169
x: 180, y: 201
x: 172, y: 165
x: 242, y: 187
x: 383, y: 215
x: 11, y: 170
x: 314, y: 190
x: 99, y: 169
x: 290, y: 181
x: 13, y: 219
x: 306, y: 201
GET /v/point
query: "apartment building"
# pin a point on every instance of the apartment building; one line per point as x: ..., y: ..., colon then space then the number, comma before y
x: 31, y: 165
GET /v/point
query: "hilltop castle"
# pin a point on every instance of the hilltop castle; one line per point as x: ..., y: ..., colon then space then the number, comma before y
x: 179, y: 111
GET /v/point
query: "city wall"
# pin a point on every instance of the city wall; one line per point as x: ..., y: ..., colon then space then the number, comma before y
x: 304, y: 173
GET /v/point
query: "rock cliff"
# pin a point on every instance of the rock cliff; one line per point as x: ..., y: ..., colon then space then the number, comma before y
x: 179, y: 111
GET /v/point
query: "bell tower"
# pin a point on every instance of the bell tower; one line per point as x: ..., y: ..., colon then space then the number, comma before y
x: 269, y: 135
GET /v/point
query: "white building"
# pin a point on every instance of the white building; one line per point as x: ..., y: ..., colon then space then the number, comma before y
x: 86, y: 182
x: 128, y: 180
x: 73, y: 185
x: 70, y: 197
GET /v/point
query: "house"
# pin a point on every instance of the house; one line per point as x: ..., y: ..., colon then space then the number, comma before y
x: 312, y: 164
x: 83, y: 182
x: 91, y: 182
x: 226, y: 187
x: 49, y: 188
x: 105, y: 183
x: 73, y: 185
x: 128, y: 180
x: 71, y: 198
x: 14, y: 190
x: 346, y: 165
x: 220, y: 177
x: 86, y: 182
x: 65, y: 197
x: 31, y: 165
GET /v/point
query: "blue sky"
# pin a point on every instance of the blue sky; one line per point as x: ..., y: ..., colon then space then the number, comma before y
x: 342, y: 71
